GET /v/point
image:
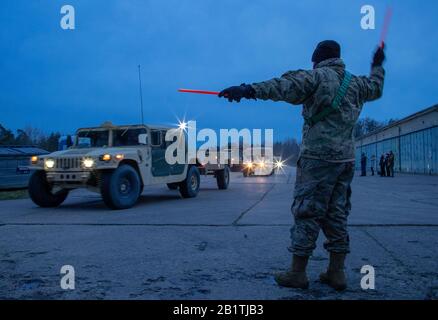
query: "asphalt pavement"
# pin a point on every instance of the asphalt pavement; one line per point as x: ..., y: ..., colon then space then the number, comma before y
x: 224, y: 244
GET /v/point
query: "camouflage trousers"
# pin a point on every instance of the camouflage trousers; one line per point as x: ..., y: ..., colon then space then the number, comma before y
x: 321, y: 202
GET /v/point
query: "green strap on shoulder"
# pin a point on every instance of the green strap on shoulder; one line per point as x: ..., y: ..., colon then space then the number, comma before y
x: 340, y: 95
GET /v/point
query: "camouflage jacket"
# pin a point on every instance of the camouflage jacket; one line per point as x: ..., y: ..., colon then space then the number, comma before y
x: 330, y: 139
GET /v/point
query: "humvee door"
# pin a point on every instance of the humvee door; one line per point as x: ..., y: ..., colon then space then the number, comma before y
x: 177, y: 168
x: 160, y: 167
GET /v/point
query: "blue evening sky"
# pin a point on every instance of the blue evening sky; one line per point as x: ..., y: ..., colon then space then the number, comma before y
x: 58, y: 79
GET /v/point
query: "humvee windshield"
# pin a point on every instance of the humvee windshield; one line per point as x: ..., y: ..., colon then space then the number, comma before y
x: 92, y: 139
x: 127, y: 137
x: 100, y: 138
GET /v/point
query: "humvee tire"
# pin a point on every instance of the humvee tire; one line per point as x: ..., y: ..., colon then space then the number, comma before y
x: 173, y: 186
x: 223, y: 178
x: 120, y: 188
x: 40, y: 191
x: 190, y: 186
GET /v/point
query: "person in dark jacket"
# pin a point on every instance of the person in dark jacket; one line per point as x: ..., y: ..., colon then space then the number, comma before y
x: 382, y: 166
x: 391, y: 164
x: 363, y: 165
x: 387, y: 173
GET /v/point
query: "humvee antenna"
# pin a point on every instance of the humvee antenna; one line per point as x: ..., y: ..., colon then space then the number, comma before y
x: 141, y: 94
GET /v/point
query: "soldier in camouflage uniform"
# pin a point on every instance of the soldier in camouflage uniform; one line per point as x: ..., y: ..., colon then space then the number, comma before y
x: 326, y: 164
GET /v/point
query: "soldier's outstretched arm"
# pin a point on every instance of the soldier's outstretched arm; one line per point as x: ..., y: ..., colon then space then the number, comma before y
x: 293, y: 87
x: 372, y: 86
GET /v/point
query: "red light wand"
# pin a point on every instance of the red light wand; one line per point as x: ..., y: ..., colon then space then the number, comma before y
x: 198, y: 91
x: 386, y: 23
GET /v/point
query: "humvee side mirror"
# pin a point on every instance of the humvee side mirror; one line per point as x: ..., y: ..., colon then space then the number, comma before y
x: 143, y: 138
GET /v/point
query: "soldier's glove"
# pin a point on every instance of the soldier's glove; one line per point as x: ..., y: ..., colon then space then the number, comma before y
x: 379, y: 56
x: 236, y: 93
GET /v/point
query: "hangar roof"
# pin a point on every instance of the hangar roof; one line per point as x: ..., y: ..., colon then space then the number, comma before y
x: 434, y: 108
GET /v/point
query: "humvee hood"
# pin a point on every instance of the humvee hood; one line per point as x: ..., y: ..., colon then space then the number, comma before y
x: 90, y: 152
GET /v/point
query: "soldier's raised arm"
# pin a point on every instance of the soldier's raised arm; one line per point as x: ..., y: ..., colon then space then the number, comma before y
x: 293, y: 87
x: 372, y: 86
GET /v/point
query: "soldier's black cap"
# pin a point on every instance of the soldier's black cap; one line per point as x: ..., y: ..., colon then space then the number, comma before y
x: 326, y: 50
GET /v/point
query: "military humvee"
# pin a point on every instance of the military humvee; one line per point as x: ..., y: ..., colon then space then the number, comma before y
x: 117, y: 162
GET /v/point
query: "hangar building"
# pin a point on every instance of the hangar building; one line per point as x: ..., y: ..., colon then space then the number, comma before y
x: 413, y: 140
x: 14, y: 162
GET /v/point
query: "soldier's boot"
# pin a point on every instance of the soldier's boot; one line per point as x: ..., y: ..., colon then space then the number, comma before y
x: 335, y: 275
x: 296, y: 277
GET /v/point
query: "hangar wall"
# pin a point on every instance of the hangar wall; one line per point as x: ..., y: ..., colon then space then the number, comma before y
x: 413, y: 140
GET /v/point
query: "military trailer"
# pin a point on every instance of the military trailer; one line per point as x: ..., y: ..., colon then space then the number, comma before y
x: 117, y: 162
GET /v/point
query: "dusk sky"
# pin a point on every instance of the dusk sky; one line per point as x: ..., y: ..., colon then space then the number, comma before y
x: 56, y: 79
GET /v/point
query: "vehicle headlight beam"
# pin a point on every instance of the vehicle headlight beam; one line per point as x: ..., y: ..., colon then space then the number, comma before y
x: 88, y: 163
x: 49, y: 163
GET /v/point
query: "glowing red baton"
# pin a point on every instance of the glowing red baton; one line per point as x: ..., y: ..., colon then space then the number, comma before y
x: 386, y: 22
x: 198, y: 91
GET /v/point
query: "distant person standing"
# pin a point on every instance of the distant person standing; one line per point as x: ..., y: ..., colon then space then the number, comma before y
x: 382, y: 166
x: 363, y: 165
x: 391, y: 159
x: 387, y: 164
x: 373, y: 163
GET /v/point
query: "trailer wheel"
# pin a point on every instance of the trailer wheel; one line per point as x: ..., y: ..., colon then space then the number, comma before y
x: 189, y: 188
x: 120, y: 188
x: 173, y: 186
x: 223, y: 178
x: 40, y: 191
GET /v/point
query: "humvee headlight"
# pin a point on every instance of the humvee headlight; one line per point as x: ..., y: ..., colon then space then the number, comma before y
x: 105, y: 157
x: 34, y: 159
x: 49, y: 163
x: 262, y: 164
x: 88, y: 163
x: 120, y: 156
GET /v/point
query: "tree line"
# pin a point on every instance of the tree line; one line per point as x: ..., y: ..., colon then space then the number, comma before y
x: 288, y: 150
x: 367, y: 125
x: 29, y: 136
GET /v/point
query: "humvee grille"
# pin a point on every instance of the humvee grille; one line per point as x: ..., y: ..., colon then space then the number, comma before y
x: 68, y: 163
